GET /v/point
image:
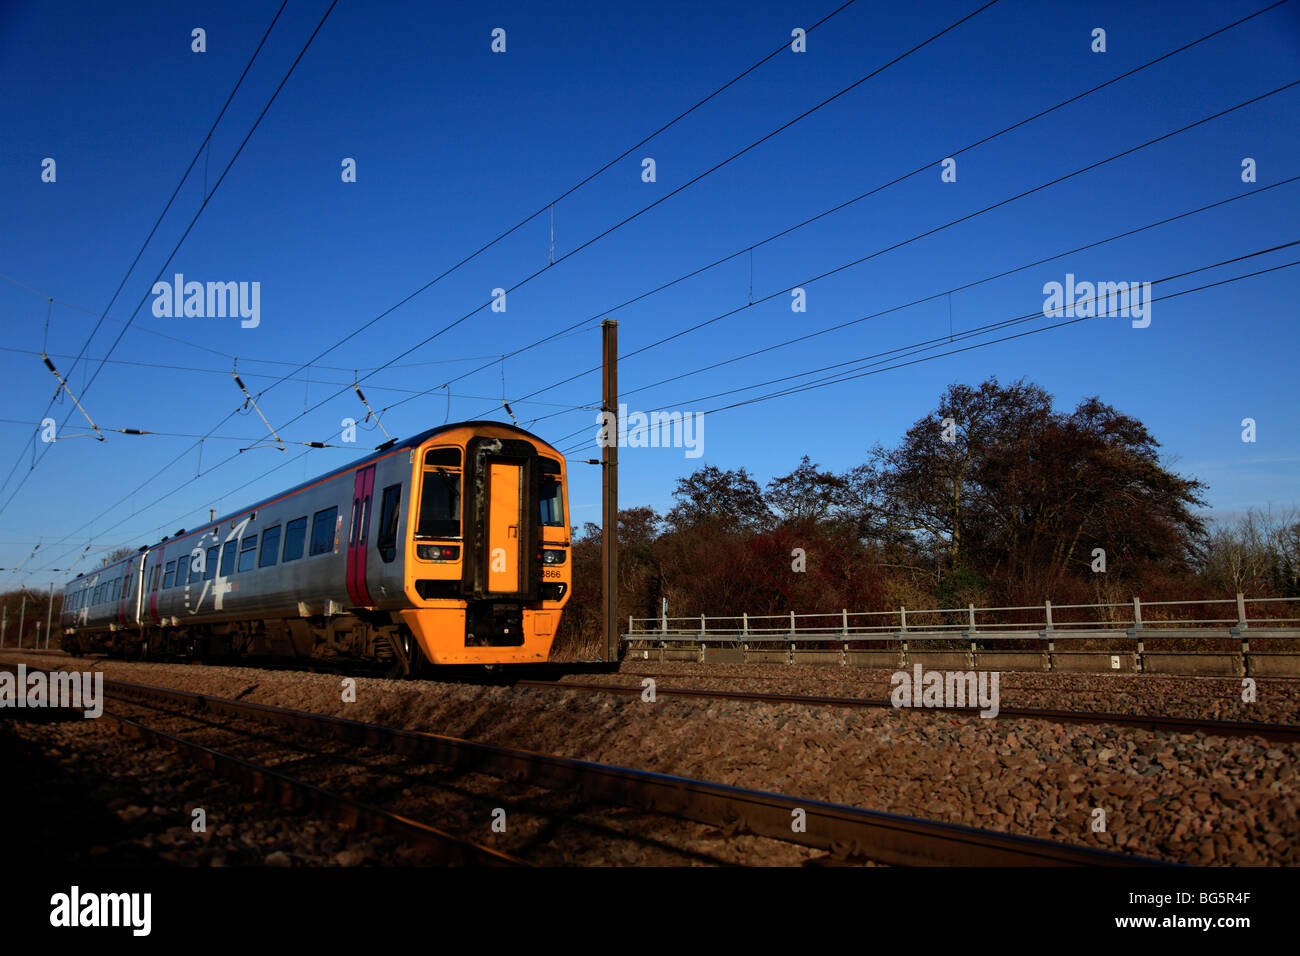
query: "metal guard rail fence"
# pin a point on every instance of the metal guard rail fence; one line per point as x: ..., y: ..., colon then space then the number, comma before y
x: 905, y: 624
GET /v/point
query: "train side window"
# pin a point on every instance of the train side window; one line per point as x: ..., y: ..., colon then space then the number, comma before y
x: 247, y: 551
x: 227, y: 558
x: 169, y: 574
x: 388, y: 513
x: 270, y: 546
x: 210, y: 563
x: 295, y: 532
x: 322, y: 530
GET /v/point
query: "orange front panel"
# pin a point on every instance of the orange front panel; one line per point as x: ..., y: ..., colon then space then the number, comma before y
x: 503, y: 528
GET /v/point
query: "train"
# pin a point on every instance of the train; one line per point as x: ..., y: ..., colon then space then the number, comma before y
x: 451, y: 547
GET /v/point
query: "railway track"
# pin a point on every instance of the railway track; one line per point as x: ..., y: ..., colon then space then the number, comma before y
x: 282, y: 789
x: 545, y: 827
x: 843, y: 832
x: 1287, y: 733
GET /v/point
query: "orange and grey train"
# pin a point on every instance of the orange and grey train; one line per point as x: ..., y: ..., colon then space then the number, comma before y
x: 451, y: 547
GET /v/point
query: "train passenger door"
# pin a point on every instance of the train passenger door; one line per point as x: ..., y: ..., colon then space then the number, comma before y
x: 505, y: 497
x: 362, y: 493
x: 501, y: 534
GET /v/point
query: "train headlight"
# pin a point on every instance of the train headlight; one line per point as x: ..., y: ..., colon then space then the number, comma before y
x: 549, y: 556
x: 437, y: 552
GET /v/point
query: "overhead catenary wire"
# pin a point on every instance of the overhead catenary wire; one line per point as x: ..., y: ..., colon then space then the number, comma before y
x: 686, y: 185
x: 925, y: 234
x: 55, y: 300
x: 946, y: 292
x: 969, y: 333
x: 549, y: 205
x: 217, y: 185
x: 449, y: 398
x: 748, y: 250
x: 158, y: 221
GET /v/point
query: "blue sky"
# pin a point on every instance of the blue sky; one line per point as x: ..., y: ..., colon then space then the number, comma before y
x: 455, y: 143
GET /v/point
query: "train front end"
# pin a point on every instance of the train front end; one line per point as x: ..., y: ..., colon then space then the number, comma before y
x: 488, y: 567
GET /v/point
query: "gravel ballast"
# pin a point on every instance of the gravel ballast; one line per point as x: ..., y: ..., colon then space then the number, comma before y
x: 1190, y: 798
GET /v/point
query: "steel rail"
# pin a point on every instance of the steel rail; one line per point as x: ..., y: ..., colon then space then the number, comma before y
x: 834, y: 828
x: 283, y: 790
x: 1287, y: 733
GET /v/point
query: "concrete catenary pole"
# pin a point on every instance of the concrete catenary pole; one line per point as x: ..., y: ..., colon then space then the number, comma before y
x: 49, y: 616
x: 22, y: 617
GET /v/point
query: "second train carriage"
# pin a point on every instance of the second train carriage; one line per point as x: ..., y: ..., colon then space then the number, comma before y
x: 450, y: 547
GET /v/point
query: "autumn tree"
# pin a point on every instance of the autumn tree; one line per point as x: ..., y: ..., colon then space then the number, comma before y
x: 807, y: 494
x: 929, y: 487
x: 729, y: 501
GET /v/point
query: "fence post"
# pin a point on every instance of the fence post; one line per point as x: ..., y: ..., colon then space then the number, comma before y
x: 1048, y: 606
x: 1241, y: 611
x: 902, y: 613
x: 972, y: 616
x: 844, y: 622
x: 744, y: 626
x: 1137, y: 626
x: 792, y: 623
x: 702, y: 628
